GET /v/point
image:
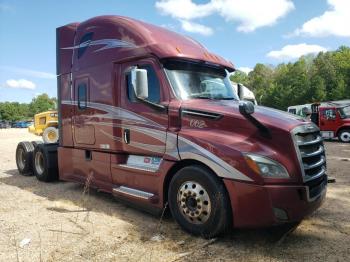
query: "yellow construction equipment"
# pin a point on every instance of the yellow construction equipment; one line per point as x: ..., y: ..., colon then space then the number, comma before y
x: 46, y: 125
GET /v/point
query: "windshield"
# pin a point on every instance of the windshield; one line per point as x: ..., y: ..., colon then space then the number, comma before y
x: 344, y: 112
x: 198, y: 81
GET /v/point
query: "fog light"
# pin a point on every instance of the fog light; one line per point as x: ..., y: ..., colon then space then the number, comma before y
x: 280, y: 214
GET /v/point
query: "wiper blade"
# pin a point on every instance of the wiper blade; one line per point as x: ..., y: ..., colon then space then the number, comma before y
x: 227, y: 98
x: 200, y: 97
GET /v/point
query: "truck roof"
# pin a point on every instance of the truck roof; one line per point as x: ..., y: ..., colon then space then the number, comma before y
x: 117, y: 38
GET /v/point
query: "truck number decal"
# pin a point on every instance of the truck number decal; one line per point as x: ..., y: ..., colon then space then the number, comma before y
x: 197, y: 123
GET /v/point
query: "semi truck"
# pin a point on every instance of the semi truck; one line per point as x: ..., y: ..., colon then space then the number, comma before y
x: 332, y: 119
x: 138, y: 120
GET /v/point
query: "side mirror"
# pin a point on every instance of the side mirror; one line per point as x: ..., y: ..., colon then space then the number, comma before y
x: 246, y: 108
x: 140, y: 83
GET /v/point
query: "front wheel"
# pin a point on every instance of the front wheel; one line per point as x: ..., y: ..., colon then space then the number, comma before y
x: 50, y: 135
x: 344, y: 136
x: 199, y: 202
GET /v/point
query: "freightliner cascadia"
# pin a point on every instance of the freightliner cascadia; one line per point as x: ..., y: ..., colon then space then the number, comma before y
x: 150, y: 116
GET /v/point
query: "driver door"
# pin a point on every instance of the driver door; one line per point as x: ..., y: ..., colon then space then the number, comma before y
x: 328, y: 119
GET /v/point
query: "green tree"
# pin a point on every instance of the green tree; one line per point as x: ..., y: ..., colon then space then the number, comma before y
x: 14, y: 111
x: 239, y: 77
x: 42, y: 103
x: 324, y: 77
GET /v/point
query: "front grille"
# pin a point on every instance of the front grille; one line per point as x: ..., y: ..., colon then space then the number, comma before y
x: 316, y: 186
x: 310, y: 150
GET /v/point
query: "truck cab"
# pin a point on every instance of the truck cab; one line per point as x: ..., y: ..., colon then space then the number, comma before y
x: 151, y: 117
x: 333, y: 120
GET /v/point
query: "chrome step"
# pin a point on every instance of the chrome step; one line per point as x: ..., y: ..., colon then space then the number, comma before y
x: 133, y: 192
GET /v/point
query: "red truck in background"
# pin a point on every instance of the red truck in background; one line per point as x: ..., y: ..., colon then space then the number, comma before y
x: 332, y: 119
x: 138, y: 119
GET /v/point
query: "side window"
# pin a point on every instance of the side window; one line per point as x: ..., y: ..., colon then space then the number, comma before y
x: 42, y: 120
x: 292, y: 111
x: 153, y: 85
x: 82, y: 96
x: 329, y: 114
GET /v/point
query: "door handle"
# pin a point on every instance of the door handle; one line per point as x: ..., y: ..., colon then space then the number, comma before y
x: 127, y: 136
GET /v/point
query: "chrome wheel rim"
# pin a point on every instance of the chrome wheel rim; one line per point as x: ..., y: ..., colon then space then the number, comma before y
x: 39, y: 163
x: 194, y: 202
x: 345, y: 136
x: 21, y: 160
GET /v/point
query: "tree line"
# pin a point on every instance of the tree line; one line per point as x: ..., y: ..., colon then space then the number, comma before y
x: 14, y: 111
x: 324, y: 77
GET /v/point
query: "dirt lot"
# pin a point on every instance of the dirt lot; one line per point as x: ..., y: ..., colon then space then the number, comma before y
x: 54, y: 217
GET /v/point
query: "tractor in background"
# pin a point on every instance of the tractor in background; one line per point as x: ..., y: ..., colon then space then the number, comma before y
x: 46, y: 125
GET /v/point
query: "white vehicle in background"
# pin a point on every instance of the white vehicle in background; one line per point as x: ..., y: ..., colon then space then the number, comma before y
x: 300, y: 110
x: 243, y: 92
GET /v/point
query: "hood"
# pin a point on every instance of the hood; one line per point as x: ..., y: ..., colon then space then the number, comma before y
x: 272, y: 118
x: 219, y: 127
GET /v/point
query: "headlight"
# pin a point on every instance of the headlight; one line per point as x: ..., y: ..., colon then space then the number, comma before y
x: 266, y: 167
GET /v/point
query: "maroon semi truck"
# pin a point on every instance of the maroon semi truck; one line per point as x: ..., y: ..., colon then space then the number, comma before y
x: 150, y: 116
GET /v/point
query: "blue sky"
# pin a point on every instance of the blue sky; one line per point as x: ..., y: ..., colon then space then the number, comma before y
x: 244, y: 31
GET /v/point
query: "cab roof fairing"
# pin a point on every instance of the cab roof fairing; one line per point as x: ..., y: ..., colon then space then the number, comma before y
x: 143, y: 39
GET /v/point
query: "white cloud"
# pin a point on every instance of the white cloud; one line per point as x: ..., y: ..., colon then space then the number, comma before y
x: 295, y: 51
x: 249, y: 14
x: 335, y: 21
x: 196, y: 28
x: 244, y: 69
x: 20, y: 84
x: 28, y: 72
x: 254, y: 13
x: 184, y: 9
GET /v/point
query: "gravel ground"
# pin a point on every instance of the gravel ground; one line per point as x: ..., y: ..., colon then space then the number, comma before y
x: 54, y: 217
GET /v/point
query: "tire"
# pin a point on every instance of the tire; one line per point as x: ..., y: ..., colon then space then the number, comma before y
x: 344, y: 136
x: 199, y: 202
x: 44, y: 165
x: 37, y: 142
x: 50, y: 135
x: 24, y: 156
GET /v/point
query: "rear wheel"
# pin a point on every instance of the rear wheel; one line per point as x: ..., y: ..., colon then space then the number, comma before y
x: 50, y: 135
x: 37, y: 142
x: 24, y: 155
x: 198, y: 201
x: 44, y: 167
x: 344, y: 135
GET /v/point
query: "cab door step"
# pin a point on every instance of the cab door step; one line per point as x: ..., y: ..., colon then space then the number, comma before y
x: 127, y: 191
